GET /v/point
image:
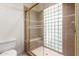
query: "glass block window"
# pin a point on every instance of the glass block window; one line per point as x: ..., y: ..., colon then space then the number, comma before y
x: 53, y: 27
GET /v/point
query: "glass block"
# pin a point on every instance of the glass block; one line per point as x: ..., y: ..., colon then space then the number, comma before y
x: 60, y: 20
x: 60, y: 50
x: 60, y: 28
x: 52, y: 46
x: 55, y: 48
x: 53, y: 27
x: 60, y: 8
x: 56, y: 24
x: 56, y: 6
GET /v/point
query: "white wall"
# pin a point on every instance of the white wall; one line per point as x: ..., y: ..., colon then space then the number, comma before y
x: 12, y: 23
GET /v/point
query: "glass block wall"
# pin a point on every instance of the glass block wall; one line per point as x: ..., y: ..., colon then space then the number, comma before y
x: 53, y: 27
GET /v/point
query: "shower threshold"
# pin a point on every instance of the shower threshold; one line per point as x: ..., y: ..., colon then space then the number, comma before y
x: 43, y: 51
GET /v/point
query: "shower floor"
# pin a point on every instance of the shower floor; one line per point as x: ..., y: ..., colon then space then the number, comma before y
x: 43, y: 51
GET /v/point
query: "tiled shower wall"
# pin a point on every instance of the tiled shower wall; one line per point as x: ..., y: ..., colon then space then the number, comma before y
x: 36, y: 29
x: 36, y: 25
x: 77, y: 19
x: 33, y: 23
x: 69, y: 29
x: 40, y: 23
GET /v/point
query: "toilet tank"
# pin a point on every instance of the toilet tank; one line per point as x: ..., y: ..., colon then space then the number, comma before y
x: 7, y: 44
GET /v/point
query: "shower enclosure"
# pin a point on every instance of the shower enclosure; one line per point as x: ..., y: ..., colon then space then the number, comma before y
x: 50, y: 29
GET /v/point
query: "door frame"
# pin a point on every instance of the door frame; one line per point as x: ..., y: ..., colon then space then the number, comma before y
x: 27, y: 30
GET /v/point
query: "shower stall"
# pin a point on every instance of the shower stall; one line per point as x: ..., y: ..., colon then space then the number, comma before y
x: 50, y: 29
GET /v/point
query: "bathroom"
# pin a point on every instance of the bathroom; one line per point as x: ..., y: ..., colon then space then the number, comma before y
x: 25, y: 29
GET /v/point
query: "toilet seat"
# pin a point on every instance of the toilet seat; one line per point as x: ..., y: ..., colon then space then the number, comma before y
x: 9, y: 53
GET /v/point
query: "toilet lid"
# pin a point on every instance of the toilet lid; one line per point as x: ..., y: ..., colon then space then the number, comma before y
x: 9, y: 53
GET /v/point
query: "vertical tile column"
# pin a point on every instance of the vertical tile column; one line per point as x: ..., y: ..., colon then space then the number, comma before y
x: 69, y: 29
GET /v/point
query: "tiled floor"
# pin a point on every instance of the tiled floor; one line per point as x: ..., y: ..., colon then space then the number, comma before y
x: 23, y: 54
x: 43, y: 51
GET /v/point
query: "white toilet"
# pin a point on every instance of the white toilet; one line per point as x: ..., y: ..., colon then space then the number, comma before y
x: 8, y: 47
